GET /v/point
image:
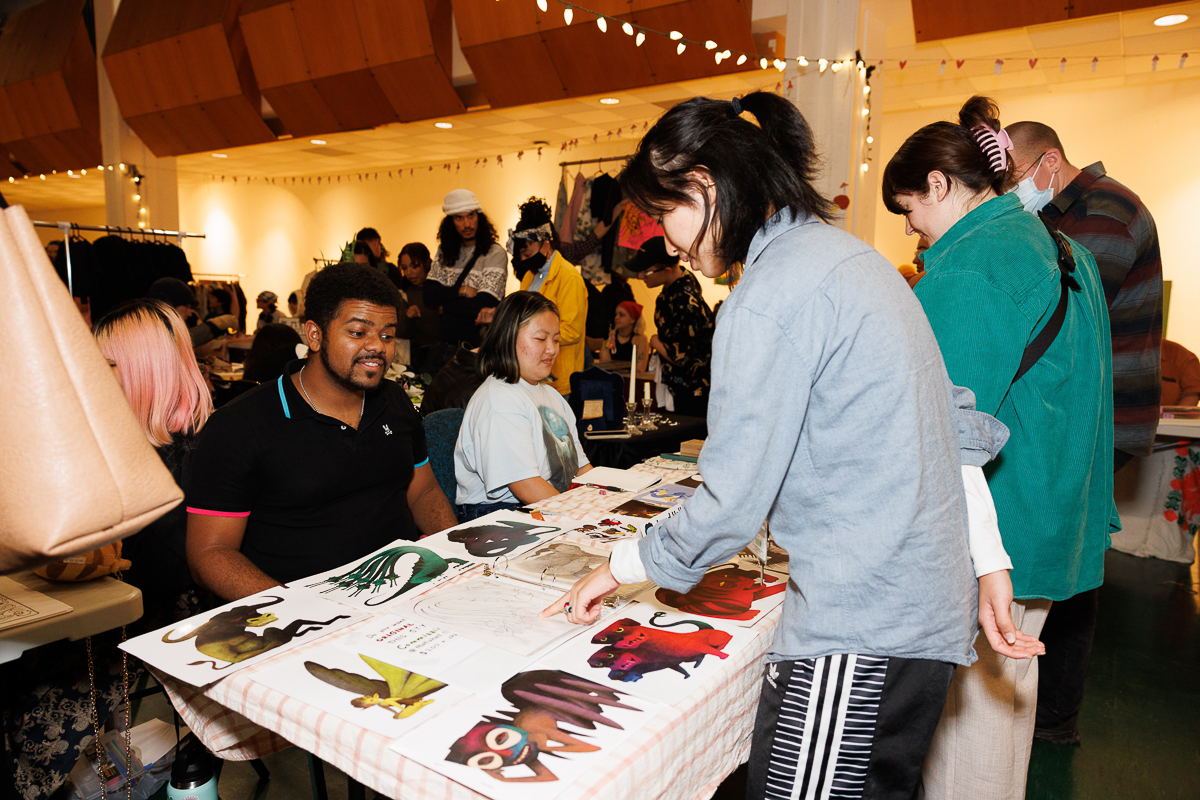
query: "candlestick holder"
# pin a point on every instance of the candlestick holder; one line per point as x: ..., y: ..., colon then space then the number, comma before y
x: 630, y: 426
x: 647, y: 423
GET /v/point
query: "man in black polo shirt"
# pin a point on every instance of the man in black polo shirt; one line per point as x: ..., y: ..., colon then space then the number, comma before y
x: 320, y: 467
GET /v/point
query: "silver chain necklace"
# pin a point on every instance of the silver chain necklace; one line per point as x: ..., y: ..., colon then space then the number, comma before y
x: 314, y: 405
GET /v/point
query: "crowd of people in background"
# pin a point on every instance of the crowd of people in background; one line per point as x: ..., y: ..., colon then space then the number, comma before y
x: 1028, y: 336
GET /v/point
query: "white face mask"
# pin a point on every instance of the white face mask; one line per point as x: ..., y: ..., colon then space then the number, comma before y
x: 1033, y: 198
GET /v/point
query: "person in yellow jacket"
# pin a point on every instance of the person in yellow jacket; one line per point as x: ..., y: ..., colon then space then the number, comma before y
x: 533, y: 245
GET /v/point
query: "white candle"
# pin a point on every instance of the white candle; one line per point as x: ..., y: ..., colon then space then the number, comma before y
x: 646, y: 395
x: 633, y: 376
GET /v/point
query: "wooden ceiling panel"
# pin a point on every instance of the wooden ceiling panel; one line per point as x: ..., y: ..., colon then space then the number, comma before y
x: 508, y: 47
x: 49, y: 98
x: 363, y: 63
x: 177, y: 62
x: 943, y: 19
x: 356, y: 100
x: 397, y: 81
x: 513, y: 72
x: 302, y: 108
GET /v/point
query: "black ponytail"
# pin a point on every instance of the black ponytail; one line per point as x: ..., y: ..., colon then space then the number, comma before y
x: 757, y: 169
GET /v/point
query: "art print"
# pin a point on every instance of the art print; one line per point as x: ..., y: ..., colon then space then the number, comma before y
x: 400, y: 569
x: 20, y: 605
x: 492, y: 611
x: 656, y: 654
x: 501, y: 534
x: 210, y: 646
x: 370, y: 692
x: 462, y: 662
x: 736, y: 592
x: 542, y: 730
x: 605, y: 531
x: 558, y: 563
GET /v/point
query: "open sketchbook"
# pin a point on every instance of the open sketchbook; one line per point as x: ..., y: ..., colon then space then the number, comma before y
x: 559, y: 564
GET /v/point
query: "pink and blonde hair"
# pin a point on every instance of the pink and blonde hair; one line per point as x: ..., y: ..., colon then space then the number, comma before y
x: 152, y: 350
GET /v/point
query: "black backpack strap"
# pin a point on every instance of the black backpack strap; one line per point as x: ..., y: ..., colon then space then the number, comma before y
x: 1066, y: 265
x: 462, y: 276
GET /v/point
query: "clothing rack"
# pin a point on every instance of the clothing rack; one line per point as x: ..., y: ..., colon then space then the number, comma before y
x: 592, y: 161
x: 228, y: 277
x: 67, y: 227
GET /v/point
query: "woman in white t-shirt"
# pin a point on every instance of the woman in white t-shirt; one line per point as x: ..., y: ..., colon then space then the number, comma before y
x: 518, y: 443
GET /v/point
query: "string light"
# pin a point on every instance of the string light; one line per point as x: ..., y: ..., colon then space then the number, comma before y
x: 641, y: 37
x: 864, y: 166
x: 802, y: 61
x: 542, y: 6
x: 835, y: 66
x: 676, y: 36
x: 780, y: 64
x: 568, y: 15
x: 679, y: 50
x: 741, y: 59
x: 823, y: 65
x: 710, y: 45
x: 866, y: 90
x: 762, y: 62
x: 602, y: 24
x: 628, y: 29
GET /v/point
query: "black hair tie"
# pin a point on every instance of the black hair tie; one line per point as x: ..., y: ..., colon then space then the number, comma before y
x: 737, y: 106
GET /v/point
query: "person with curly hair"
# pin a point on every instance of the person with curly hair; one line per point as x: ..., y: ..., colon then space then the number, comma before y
x: 469, y: 272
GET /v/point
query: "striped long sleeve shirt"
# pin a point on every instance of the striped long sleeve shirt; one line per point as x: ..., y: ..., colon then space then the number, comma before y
x: 1112, y: 223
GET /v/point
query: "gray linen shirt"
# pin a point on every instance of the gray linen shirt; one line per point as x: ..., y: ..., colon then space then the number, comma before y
x: 832, y: 412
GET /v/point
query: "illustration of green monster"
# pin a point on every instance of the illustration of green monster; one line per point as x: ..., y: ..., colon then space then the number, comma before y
x: 379, y: 571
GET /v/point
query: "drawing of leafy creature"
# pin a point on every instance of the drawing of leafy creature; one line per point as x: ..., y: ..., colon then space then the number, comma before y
x: 543, y: 701
x: 379, y: 571
x: 401, y: 692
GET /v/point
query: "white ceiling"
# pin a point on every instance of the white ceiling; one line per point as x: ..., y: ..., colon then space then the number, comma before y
x: 1124, y: 43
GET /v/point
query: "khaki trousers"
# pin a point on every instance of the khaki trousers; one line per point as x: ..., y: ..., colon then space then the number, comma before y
x: 980, y: 750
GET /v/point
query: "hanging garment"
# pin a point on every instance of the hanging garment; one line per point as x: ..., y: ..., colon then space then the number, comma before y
x: 561, y: 204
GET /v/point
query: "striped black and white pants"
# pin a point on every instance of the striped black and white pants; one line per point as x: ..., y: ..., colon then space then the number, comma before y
x: 845, y: 726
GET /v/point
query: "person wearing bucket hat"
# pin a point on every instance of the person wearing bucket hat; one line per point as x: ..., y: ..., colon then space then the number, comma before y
x: 468, y: 274
x: 542, y: 269
x: 685, y: 326
x: 268, y: 312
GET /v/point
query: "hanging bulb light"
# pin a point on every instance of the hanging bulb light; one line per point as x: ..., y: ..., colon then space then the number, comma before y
x: 676, y: 35
x: 710, y: 45
x: 602, y: 24
x: 866, y: 111
x: 628, y: 29
x: 568, y: 15
x: 742, y: 59
x: 823, y: 65
x: 542, y: 6
x: 835, y: 66
x: 866, y: 90
x: 780, y: 64
x: 762, y: 62
x: 679, y: 50
x: 802, y: 61
x: 641, y: 37
x: 864, y: 166
x: 870, y: 140
x: 718, y: 58
x: 137, y: 197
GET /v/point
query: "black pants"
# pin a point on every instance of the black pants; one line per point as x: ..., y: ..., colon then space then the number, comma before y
x: 1068, y: 633
x: 856, y: 726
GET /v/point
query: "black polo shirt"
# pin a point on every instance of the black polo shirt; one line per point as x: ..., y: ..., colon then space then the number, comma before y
x: 317, y: 493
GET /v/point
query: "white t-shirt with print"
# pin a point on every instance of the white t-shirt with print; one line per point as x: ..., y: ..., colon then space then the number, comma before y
x: 514, y: 431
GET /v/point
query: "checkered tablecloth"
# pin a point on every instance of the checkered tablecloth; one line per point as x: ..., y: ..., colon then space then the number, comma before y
x: 683, y: 753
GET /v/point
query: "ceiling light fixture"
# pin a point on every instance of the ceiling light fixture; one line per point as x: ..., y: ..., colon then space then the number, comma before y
x: 444, y: 125
x: 1170, y: 19
x: 219, y: 155
x: 317, y: 141
x: 609, y: 101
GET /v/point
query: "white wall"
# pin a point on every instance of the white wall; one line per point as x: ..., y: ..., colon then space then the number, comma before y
x: 272, y: 232
x: 1146, y: 137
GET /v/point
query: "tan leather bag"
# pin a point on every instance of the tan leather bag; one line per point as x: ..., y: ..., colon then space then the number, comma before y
x: 76, y: 472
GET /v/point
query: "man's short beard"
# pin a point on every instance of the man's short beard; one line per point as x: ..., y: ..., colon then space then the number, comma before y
x: 346, y: 381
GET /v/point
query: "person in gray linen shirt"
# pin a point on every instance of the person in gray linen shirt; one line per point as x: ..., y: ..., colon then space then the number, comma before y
x: 832, y: 413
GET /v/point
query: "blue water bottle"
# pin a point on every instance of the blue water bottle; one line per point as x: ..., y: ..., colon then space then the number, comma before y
x: 192, y: 774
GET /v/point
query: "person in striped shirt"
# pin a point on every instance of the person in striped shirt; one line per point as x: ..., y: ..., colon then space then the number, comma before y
x: 1113, y: 224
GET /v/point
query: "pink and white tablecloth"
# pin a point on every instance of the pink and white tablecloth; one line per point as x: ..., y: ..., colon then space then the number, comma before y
x: 683, y: 753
